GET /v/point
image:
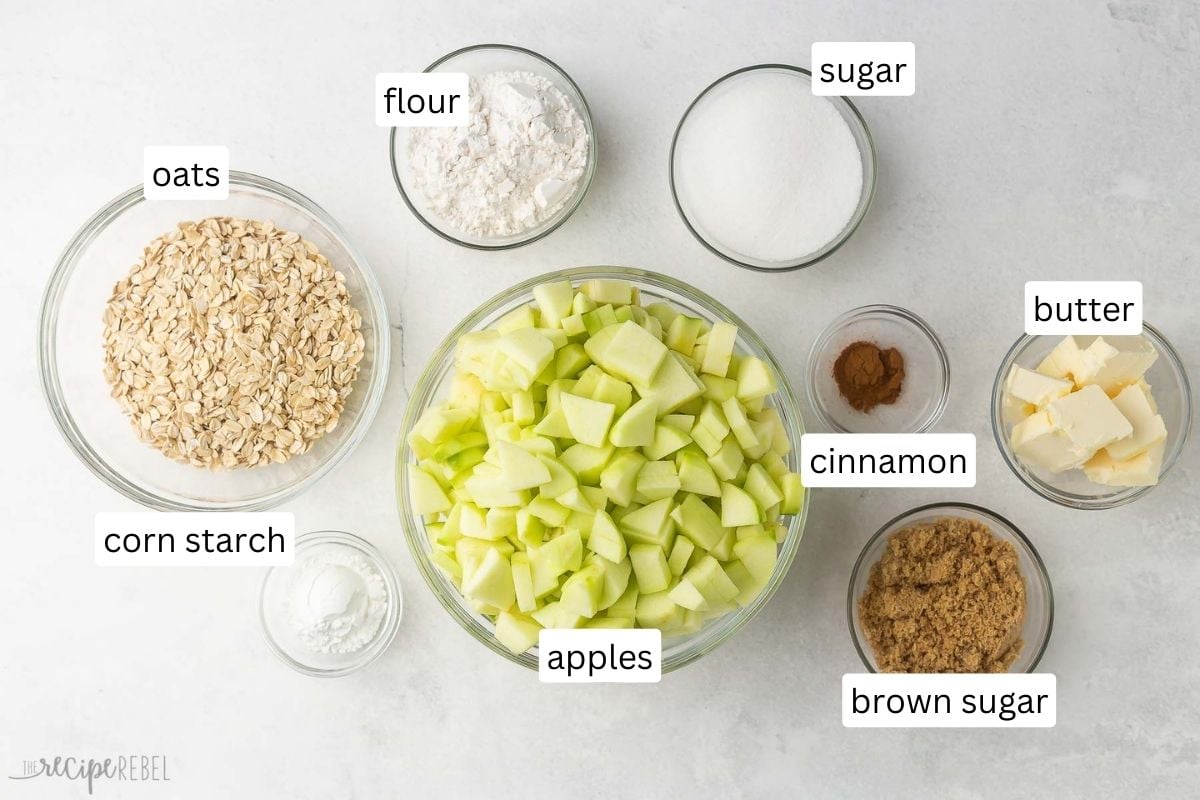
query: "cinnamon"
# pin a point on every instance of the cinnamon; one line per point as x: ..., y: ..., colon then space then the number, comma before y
x: 868, y: 376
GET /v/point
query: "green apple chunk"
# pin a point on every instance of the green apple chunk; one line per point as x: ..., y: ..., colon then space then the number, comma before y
x: 517, y: 632
x: 633, y: 354
x: 605, y: 540
x: 649, y: 524
x: 738, y: 507
x: 635, y: 428
x: 426, y: 494
x: 619, y: 478
x: 588, y: 420
x: 650, y: 567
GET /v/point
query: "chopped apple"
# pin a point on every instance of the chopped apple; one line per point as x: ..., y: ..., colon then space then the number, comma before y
x: 588, y: 420
x: 635, y: 428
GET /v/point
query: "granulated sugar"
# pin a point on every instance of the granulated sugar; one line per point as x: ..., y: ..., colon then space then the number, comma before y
x: 766, y: 169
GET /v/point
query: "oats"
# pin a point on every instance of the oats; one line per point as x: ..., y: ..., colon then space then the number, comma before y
x: 232, y: 344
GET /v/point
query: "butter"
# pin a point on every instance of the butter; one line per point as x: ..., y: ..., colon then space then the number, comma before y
x: 1063, y: 361
x: 1136, y: 404
x: 1114, y: 361
x: 1014, y: 410
x: 1090, y: 419
x: 1033, y: 387
x: 1141, y: 470
x: 1038, y: 442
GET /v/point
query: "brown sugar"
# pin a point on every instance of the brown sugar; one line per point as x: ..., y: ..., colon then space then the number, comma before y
x: 947, y: 596
x: 867, y: 375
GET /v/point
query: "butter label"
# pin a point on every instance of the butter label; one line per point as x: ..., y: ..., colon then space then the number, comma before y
x: 1081, y: 308
x: 893, y: 700
x: 881, y: 69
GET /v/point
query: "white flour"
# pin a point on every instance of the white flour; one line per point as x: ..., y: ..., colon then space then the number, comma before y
x: 766, y: 169
x: 517, y: 163
x: 336, y: 600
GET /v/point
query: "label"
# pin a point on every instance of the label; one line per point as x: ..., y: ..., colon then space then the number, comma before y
x: 1003, y: 700
x: 421, y: 99
x: 887, y: 460
x: 600, y: 655
x: 195, y: 539
x: 1063, y: 308
x: 194, y: 172
x: 881, y: 69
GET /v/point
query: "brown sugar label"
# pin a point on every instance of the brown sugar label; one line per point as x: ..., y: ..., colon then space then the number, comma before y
x: 893, y: 700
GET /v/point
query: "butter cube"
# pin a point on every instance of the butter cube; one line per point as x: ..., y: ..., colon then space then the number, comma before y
x: 1014, y: 409
x: 1089, y: 419
x: 1136, y: 404
x: 1141, y: 470
x: 1038, y: 443
x: 1063, y: 361
x: 1114, y: 361
x: 1033, y: 387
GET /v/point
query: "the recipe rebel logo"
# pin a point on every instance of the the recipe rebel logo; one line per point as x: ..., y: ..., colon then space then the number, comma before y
x: 92, y: 772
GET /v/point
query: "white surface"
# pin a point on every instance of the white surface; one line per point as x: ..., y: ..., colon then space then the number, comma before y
x: 1045, y: 141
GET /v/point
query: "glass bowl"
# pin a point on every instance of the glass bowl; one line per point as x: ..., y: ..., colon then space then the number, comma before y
x: 1039, y: 597
x: 433, y: 385
x: 71, y: 360
x: 482, y: 59
x: 926, y: 387
x: 1072, y: 489
x: 866, y: 151
x: 272, y: 600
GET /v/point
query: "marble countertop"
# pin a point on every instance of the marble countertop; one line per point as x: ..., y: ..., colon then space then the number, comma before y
x: 1045, y: 141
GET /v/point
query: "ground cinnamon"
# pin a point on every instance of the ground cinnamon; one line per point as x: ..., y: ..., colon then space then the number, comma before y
x: 867, y: 375
x: 947, y: 596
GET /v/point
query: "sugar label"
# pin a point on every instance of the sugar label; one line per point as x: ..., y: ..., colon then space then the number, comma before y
x: 882, y: 69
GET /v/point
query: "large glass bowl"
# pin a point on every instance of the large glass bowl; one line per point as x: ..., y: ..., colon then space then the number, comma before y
x: 1072, y: 489
x: 479, y: 60
x: 71, y: 356
x: 432, y: 388
x: 1039, y: 597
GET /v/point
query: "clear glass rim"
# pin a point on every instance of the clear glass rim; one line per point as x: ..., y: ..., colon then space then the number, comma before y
x: 565, y: 213
x: 1071, y: 499
x: 822, y: 341
x: 870, y: 176
x: 65, y: 421
x: 947, y: 509
x: 720, y: 630
x: 388, y: 628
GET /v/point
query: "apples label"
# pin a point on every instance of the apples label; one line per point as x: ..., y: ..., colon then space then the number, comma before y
x: 1083, y: 308
x: 192, y: 172
x: 887, y: 460
x: 883, y: 69
x: 195, y: 539
x: 421, y: 99
x: 893, y: 700
x: 600, y: 655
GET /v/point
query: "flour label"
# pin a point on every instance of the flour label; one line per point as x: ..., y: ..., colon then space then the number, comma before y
x: 421, y: 99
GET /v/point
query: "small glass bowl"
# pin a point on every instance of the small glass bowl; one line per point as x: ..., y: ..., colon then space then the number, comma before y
x: 866, y: 150
x: 1071, y: 488
x: 926, y: 387
x: 272, y: 610
x: 477, y: 60
x: 1039, y: 597
x: 433, y: 386
x: 71, y: 359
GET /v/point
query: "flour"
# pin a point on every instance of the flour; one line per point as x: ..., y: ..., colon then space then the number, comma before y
x: 518, y: 161
x: 766, y: 169
x: 336, y: 600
